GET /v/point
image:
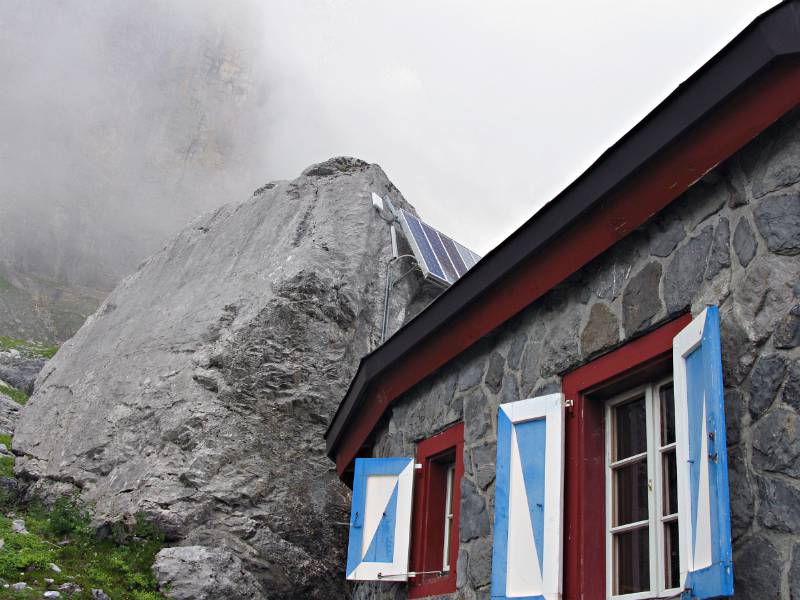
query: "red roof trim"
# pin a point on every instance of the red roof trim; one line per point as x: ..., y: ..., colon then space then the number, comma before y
x: 759, y: 104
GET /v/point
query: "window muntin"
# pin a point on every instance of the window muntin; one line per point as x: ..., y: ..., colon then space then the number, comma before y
x: 448, y: 516
x: 641, y: 494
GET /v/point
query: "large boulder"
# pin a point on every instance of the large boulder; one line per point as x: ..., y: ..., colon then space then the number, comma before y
x: 199, y: 392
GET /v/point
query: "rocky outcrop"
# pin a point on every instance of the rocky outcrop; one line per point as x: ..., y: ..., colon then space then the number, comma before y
x: 199, y: 392
x: 20, y: 371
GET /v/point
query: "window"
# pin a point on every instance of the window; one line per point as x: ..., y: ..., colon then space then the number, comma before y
x: 592, y: 387
x: 641, y: 493
x: 437, y: 496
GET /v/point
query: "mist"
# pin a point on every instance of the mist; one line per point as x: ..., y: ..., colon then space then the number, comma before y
x: 120, y: 122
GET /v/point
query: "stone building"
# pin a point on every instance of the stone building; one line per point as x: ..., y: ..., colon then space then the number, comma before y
x: 549, y: 400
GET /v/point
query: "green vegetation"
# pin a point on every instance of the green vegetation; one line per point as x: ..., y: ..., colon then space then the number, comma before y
x: 16, y: 395
x: 6, y: 462
x: 61, y: 534
x: 26, y: 348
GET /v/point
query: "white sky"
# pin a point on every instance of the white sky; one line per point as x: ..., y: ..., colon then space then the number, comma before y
x: 479, y: 112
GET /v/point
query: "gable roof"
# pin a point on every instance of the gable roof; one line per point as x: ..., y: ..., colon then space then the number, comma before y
x: 747, y: 86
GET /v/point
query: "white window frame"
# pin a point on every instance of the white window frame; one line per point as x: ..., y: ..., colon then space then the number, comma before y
x: 655, y: 498
x: 448, y: 516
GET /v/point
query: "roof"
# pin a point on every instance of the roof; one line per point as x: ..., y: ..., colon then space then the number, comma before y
x: 770, y: 43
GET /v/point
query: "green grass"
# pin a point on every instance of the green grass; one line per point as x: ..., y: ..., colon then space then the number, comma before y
x: 61, y: 534
x: 16, y: 395
x: 26, y: 348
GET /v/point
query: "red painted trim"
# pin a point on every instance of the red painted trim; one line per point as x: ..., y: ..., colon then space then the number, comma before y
x: 428, y: 518
x: 584, y: 520
x: 729, y: 128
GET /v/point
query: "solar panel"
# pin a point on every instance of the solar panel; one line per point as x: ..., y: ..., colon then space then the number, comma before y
x: 440, y: 257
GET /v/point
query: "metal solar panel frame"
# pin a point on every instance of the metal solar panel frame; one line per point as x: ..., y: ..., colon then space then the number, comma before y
x: 412, y: 240
x: 467, y: 256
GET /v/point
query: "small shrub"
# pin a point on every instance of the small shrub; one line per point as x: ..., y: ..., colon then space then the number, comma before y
x: 69, y: 515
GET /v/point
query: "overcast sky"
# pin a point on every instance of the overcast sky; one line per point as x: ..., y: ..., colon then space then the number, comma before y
x: 480, y: 112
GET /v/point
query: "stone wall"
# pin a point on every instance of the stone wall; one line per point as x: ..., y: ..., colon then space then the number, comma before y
x: 733, y: 239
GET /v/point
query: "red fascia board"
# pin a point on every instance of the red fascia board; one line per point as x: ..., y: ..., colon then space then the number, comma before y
x: 584, y: 476
x: 741, y: 118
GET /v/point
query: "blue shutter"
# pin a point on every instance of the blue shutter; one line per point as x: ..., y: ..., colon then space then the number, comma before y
x: 380, y: 519
x: 526, y: 553
x: 703, y: 498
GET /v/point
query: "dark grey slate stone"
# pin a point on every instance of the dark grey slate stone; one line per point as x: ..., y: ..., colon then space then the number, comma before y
x: 641, y: 301
x: 480, y: 562
x: 482, y: 459
x: 741, y: 493
x: 779, y: 164
x: 494, y: 372
x: 787, y: 333
x: 758, y: 565
x: 601, y: 330
x: 779, y: 505
x: 778, y: 221
x: 734, y: 413
x: 474, y: 519
x: 738, y: 353
x: 510, y: 391
x: 776, y: 442
x: 744, y: 242
x: 560, y: 349
x: 765, y: 380
x: 515, y: 351
x: 794, y: 573
x: 720, y: 257
x: 476, y: 416
x: 665, y: 235
x: 470, y: 374
x: 461, y: 569
x: 684, y: 273
x: 791, y: 390
x: 704, y: 199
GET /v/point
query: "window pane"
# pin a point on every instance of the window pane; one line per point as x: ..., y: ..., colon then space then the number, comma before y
x: 672, y: 566
x: 667, y: 394
x: 630, y: 493
x: 630, y: 429
x: 669, y: 483
x: 632, y: 561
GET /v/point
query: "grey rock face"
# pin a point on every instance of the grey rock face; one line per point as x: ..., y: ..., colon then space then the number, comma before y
x: 199, y: 573
x: 776, y: 442
x: 744, y: 242
x: 199, y: 392
x: 9, y: 414
x: 758, y: 570
x: 720, y: 256
x: 684, y: 273
x: 601, y: 331
x: 778, y: 221
x: 641, y: 301
x: 764, y: 382
x: 20, y: 372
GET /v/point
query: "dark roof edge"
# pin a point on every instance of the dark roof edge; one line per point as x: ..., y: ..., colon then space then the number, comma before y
x: 772, y: 35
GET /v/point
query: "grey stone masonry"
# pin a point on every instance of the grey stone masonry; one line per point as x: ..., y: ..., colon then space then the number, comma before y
x: 732, y: 240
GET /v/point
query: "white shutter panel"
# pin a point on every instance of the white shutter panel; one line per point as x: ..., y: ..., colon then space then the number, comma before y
x: 702, y: 457
x: 526, y: 555
x: 380, y: 519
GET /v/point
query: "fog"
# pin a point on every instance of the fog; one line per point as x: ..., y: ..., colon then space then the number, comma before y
x: 121, y: 121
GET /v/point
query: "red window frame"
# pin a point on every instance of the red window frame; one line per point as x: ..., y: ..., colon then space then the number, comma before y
x: 428, y: 514
x: 584, y: 477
